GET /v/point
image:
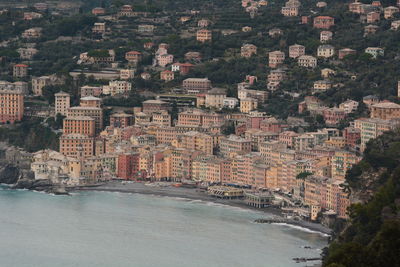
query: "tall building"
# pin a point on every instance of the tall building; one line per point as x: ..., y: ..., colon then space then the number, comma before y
x: 79, y: 125
x: 11, y: 106
x: 62, y: 103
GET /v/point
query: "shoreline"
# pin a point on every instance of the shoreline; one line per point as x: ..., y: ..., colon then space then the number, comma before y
x: 197, y: 194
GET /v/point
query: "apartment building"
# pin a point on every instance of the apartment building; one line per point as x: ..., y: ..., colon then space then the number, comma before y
x: 73, y: 144
x: 194, y: 140
x: 91, y: 91
x: 62, y: 103
x: 325, y: 51
x: 94, y: 112
x: 79, y: 125
x: 248, y: 104
x: 152, y: 106
x: 385, y: 111
x: 196, y: 85
x: 11, y: 106
x: 275, y: 59
x: 121, y: 120
x: 325, y: 36
x: 20, y: 70
x: 296, y: 50
x: 371, y: 128
x: 204, y: 35
x: 215, y: 98
x: 307, y: 61
x: 234, y: 144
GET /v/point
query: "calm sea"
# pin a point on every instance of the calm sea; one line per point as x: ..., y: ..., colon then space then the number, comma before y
x: 115, y: 229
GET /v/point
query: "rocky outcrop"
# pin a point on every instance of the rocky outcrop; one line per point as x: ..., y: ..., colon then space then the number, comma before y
x: 9, y: 174
x: 40, y: 185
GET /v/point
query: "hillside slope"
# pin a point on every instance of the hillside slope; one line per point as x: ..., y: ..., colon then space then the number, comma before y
x: 372, y: 237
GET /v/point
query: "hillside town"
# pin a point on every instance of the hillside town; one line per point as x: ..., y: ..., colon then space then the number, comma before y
x: 167, y: 97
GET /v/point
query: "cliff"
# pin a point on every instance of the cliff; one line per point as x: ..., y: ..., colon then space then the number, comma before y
x: 371, y: 236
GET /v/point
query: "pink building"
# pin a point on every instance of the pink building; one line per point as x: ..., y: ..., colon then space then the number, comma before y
x: 164, y: 60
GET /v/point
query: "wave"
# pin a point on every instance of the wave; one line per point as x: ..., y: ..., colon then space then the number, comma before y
x: 303, y: 229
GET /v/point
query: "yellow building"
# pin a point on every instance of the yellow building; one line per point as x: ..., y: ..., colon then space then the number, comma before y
x: 248, y: 104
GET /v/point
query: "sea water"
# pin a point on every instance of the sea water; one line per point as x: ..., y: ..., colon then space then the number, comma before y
x: 117, y: 229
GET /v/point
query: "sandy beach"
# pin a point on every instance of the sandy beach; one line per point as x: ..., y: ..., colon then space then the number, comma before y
x: 197, y: 194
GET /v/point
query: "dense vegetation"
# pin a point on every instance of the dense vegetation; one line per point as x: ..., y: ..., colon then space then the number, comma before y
x: 372, y: 237
x: 31, y: 135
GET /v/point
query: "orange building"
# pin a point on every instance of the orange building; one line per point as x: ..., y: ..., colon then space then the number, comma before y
x: 71, y: 144
x: 79, y: 125
x: 203, y: 35
x: 196, y: 141
x: 12, y: 106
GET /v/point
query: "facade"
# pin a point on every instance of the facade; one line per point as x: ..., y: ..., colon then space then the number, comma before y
x: 248, y: 104
x: 20, y: 70
x: 307, y: 61
x: 204, y: 35
x: 333, y: 116
x: 73, y: 145
x: 247, y: 50
x: 15, y: 86
x: 167, y: 75
x: 296, y: 50
x: 99, y: 27
x: 12, y: 106
x: 38, y: 83
x: 91, y: 91
x: 215, y: 98
x: 165, y: 59
x: 121, y: 120
x: 196, y: 85
x: 62, y: 103
x: 126, y: 74
x: 94, y: 112
x: 275, y: 59
x: 323, y: 22
x: 117, y: 87
x: 290, y: 11
x: 325, y: 51
x: 235, y: 144
x: 133, y: 56
x: 322, y: 86
x: 151, y: 106
x: 371, y: 128
x: 385, y: 111
x: 325, y: 36
x: 349, y: 106
x: 230, y: 102
x: 79, y: 125
x: 196, y: 141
